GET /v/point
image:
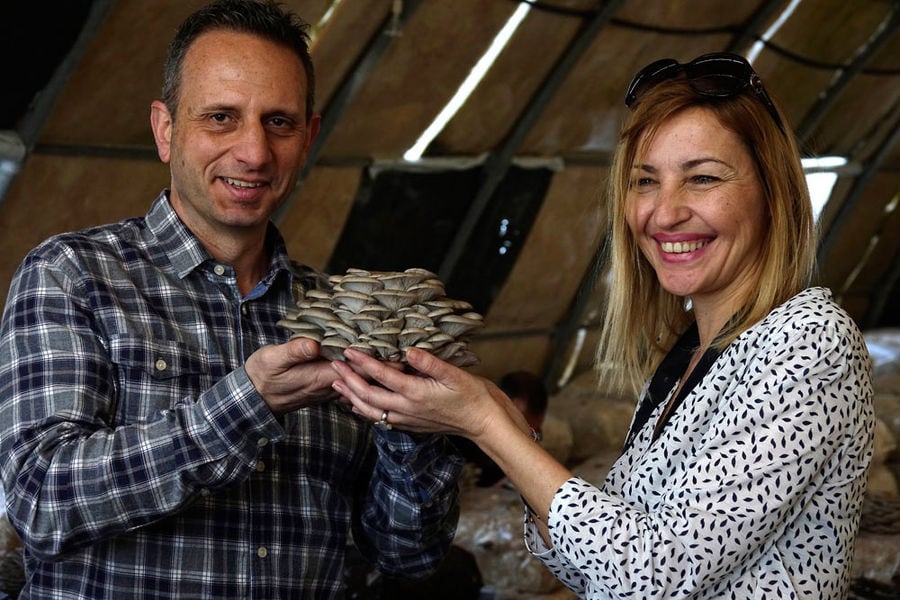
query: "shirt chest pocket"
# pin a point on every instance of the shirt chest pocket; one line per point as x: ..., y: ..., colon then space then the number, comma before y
x: 154, y: 375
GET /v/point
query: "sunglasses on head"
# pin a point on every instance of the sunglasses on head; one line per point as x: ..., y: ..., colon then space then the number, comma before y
x: 716, y: 75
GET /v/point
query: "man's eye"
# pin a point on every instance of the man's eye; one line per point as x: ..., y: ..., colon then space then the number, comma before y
x: 283, y: 124
x: 219, y: 117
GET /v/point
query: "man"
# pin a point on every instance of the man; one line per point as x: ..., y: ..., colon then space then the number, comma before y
x: 160, y: 436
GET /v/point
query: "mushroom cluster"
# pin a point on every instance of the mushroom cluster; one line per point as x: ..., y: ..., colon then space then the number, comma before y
x: 384, y: 313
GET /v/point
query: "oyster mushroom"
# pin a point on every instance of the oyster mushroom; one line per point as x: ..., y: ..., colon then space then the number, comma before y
x: 354, y: 301
x: 345, y: 331
x: 384, y: 313
x: 363, y: 284
x: 416, y: 320
x: 386, y: 350
x: 376, y: 310
x: 385, y: 334
x: 319, y: 316
x: 364, y: 323
x: 313, y: 295
x: 427, y: 291
x: 409, y: 336
x: 394, y: 299
x: 457, y: 325
x: 333, y: 347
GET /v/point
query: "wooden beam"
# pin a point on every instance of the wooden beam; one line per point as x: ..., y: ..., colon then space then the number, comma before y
x: 351, y: 84
x: 499, y: 160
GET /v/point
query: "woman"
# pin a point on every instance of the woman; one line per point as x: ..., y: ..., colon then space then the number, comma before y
x: 745, y: 466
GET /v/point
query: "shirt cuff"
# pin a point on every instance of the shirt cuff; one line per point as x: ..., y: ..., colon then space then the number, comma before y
x: 238, y: 414
x: 424, y: 461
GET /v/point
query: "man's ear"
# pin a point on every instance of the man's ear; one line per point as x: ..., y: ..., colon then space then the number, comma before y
x: 161, y: 124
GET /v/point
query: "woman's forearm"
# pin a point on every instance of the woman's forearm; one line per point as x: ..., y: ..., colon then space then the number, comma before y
x: 532, y: 470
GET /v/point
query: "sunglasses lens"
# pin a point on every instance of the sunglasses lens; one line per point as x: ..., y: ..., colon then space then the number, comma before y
x: 718, y: 85
x: 717, y: 75
x: 648, y: 77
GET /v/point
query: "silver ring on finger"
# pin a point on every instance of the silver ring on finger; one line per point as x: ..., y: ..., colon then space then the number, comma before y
x: 383, y: 423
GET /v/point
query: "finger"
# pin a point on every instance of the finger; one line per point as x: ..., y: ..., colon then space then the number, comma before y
x: 301, y: 349
x: 371, y: 401
x: 409, y: 383
x: 397, y: 420
x: 430, y: 365
x: 363, y: 407
x: 349, y: 398
x: 396, y: 365
x: 388, y: 376
x: 367, y: 400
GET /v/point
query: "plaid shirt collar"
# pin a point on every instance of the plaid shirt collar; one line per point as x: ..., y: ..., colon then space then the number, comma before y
x: 186, y: 253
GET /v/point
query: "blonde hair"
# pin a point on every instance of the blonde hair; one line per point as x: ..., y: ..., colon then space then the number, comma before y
x: 642, y: 319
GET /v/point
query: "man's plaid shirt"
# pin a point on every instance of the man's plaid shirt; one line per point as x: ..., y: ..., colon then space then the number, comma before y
x: 138, y: 459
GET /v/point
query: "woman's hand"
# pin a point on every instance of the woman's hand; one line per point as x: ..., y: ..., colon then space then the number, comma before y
x: 437, y: 398
x: 441, y: 398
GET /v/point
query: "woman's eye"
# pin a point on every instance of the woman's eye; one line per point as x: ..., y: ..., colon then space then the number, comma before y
x: 704, y: 179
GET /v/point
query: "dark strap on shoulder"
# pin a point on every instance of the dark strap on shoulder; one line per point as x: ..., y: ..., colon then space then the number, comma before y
x: 669, y: 371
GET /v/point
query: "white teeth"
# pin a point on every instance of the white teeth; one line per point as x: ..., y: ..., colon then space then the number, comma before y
x: 241, y: 184
x: 681, y: 247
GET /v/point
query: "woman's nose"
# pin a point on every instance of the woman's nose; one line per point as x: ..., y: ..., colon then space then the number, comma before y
x: 671, y: 206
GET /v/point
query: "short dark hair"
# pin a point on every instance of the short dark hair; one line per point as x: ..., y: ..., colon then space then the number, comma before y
x: 529, y: 387
x: 263, y: 18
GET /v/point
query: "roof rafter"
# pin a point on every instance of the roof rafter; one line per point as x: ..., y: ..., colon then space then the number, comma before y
x: 846, y: 75
x: 498, y: 162
x: 351, y: 84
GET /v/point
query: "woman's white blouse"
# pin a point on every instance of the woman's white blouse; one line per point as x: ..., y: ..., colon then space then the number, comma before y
x: 753, y: 489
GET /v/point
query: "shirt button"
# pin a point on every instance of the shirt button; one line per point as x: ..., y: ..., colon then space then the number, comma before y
x: 204, y: 492
x: 244, y: 309
x: 260, y: 467
x: 219, y: 269
x: 262, y: 552
x: 161, y: 365
x: 262, y: 442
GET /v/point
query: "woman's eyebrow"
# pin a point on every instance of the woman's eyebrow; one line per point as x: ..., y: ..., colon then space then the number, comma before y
x: 696, y: 162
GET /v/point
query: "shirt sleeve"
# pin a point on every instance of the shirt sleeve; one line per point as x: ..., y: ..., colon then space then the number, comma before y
x: 73, y: 475
x: 411, y: 509
x: 797, y: 414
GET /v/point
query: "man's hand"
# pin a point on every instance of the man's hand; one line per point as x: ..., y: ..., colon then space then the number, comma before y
x: 290, y: 376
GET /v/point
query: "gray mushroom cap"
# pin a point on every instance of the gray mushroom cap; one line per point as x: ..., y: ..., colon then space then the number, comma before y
x: 385, y: 313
